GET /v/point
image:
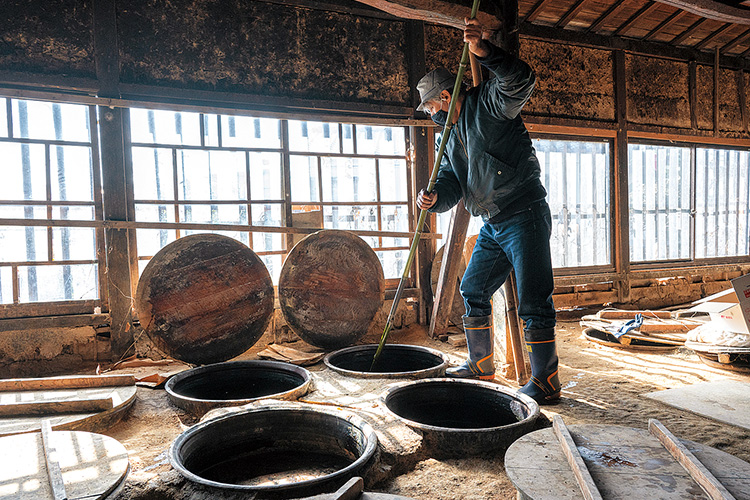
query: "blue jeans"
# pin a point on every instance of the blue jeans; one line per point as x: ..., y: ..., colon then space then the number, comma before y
x: 520, y: 243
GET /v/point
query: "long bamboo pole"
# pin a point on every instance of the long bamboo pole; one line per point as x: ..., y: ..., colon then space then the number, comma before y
x: 433, y: 177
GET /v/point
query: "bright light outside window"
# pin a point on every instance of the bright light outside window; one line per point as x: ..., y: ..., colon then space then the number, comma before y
x: 48, y: 150
x: 210, y: 169
x: 352, y: 177
x: 207, y: 169
x: 659, y: 194
x: 576, y: 177
x: 722, y: 201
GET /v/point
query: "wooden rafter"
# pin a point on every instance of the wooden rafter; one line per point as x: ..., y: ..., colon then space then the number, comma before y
x: 571, y: 14
x: 732, y: 44
x: 712, y: 36
x: 745, y: 54
x: 642, y: 12
x: 536, y: 10
x: 664, y: 24
x: 688, y: 32
x: 603, y: 18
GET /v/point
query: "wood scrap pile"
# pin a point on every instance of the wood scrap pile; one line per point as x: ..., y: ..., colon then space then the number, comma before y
x: 639, y: 330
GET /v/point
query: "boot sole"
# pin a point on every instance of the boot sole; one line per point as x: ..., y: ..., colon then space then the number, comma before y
x: 486, y: 377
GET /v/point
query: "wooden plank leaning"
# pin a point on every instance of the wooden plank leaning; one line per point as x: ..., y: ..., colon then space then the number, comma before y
x: 713, y: 488
x: 582, y: 474
x: 53, y: 466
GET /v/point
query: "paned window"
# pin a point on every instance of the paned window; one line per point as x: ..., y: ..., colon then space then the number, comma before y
x: 660, y: 202
x: 48, y: 153
x: 193, y: 168
x: 722, y: 203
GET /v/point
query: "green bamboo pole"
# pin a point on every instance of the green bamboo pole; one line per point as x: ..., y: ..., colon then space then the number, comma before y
x: 433, y: 177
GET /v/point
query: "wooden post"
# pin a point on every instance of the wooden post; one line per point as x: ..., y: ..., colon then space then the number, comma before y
x: 713, y: 488
x: 621, y: 214
x: 717, y: 70
x: 420, y: 158
x: 114, y: 185
x: 570, y: 450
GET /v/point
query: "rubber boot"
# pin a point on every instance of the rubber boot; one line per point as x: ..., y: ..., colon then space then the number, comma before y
x: 480, y: 342
x: 544, y: 386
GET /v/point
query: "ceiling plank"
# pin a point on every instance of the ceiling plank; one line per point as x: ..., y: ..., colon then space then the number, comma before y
x: 536, y: 10
x: 732, y: 44
x: 571, y: 14
x: 710, y: 9
x: 666, y: 23
x: 685, y: 34
x: 643, y: 11
x: 603, y: 18
x: 712, y: 36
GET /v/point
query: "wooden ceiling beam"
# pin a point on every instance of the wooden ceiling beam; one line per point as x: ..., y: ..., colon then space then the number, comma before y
x: 712, y: 36
x: 536, y: 10
x: 642, y: 12
x: 710, y: 9
x: 666, y: 23
x: 571, y: 14
x: 434, y: 11
x: 732, y: 44
x: 603, y: 18
x: 685, y: 34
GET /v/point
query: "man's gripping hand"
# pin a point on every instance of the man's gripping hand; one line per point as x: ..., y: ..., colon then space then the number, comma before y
x: 426, y: 200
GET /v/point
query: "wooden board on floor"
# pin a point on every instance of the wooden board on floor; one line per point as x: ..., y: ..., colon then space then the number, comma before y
x: 725, y: 400
x: 92, y: 465
x: 624, y: 462
x: 122, y: 398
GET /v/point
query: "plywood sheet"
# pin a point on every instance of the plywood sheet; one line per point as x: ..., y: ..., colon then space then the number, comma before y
x: 725, y: 400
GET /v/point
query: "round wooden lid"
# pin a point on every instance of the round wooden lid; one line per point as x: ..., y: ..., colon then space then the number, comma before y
x: 205, y: 298
x: 624, y: 462
x: 91, y: 465
x: 330, y: 288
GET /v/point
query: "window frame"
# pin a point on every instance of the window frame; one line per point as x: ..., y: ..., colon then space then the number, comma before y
x: 18, y: 309
x: 692, y: 261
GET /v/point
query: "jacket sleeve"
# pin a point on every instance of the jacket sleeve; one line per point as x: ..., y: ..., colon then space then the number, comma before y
x: 447, y: 188
x: 511, y: 88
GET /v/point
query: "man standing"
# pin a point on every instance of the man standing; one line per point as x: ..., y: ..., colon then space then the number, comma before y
x: 490, y: 162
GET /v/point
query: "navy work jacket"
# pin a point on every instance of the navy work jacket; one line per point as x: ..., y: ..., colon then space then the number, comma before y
x: 489, y: 159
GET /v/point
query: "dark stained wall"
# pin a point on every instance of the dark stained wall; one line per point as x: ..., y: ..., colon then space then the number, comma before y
x: 260, y: 48
x: 50, y: 37
x: 657, y: 91
x: 572, y: 82
x: 342, y: 54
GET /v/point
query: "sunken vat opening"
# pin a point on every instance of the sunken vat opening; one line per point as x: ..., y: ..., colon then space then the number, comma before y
x: 236, y: 383
x: 275, y: 450
x: 462, y: 417
x: 395, y: 360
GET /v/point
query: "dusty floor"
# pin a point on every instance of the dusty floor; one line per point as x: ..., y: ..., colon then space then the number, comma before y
x: 600, y: 385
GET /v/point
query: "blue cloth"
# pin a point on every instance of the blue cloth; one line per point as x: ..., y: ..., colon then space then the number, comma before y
x: 521, y: 243
x: 633, y: 324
